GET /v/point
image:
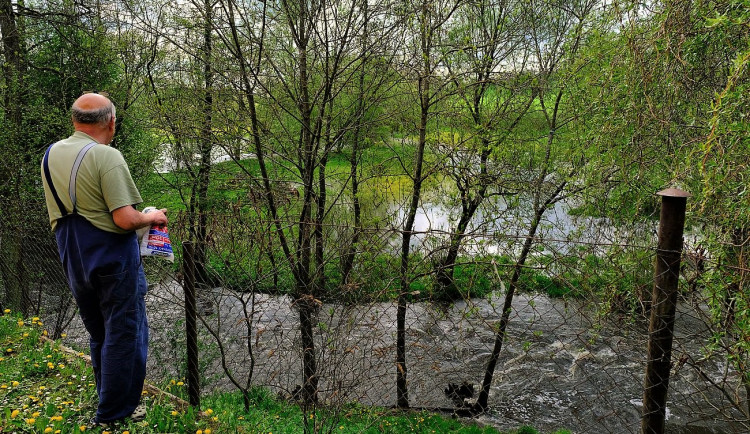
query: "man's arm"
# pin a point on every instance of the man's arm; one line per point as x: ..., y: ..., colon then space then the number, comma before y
x: 130, y: 219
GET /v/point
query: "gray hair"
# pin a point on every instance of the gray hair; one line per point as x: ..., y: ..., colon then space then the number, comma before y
x: 101, y: 115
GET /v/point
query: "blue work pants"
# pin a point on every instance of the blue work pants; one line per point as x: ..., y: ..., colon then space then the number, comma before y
x: 106, y: 277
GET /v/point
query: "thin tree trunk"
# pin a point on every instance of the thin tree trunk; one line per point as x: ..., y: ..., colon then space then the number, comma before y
x: 482, y: 401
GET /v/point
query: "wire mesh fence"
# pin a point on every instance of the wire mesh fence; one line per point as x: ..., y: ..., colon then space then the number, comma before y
x: 573, y: 354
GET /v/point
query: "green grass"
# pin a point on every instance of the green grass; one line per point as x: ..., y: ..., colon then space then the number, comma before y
x: 45, y: 389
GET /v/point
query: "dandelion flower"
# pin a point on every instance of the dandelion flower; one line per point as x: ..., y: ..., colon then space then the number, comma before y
x: 7, y: 311
x: 30, y: 421
x: 14, y: 413
x: 4, y: 386
x: 207, y: 431
x: 215, y: 419
x: 82, y: 428
x: 44, y: 332
x: 36, y: 414
x: 48, y: 430
x: 14, y: 384
x: 57, y: 418
x: 64, y: 335
x: 20, y: 322
x: 209, y: 411
x: 180, y: 383
x: 174, y: 413
x: 199, y: 432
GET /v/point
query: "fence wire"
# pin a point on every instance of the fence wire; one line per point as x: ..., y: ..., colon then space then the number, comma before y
x: 573, y: 355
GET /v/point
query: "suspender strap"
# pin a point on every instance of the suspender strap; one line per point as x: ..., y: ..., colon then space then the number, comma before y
x: 73, y: 177
x: 51, y: 186
x: 74, y: 173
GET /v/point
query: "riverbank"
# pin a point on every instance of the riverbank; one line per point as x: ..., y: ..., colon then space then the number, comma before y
x: 45, y: 388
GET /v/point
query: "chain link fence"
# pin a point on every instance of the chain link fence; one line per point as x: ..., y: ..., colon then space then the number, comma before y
x: 573, y: 355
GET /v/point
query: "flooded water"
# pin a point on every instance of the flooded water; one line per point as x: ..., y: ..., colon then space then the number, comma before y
x: 560, y: 367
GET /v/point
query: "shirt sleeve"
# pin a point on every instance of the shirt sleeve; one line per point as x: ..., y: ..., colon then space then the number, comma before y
x: 118, y: 188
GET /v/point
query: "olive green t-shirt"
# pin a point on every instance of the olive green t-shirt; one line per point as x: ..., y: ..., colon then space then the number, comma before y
x: 103, y: 183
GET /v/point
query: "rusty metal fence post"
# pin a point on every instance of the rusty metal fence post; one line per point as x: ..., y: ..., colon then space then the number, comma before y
x: 191, y: 331
x: 663, y: 305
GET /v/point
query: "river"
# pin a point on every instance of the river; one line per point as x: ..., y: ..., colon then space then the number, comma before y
x: 561, y: 366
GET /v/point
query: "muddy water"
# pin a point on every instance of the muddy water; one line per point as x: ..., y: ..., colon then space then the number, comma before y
x: 559, y: 368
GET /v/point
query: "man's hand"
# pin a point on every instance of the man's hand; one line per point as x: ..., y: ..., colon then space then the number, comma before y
x: 130, y: 219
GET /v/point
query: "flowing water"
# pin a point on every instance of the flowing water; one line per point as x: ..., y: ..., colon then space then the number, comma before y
x: 560, y: 367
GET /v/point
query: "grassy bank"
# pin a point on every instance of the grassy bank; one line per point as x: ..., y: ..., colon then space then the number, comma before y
x: 45, y: 389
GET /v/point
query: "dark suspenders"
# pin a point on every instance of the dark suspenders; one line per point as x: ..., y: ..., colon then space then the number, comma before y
x: 73, y: 177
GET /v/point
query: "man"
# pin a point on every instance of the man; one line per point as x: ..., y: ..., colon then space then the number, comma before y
x: 90, y: 200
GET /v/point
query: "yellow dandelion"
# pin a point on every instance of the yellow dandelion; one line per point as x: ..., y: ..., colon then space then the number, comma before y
x: 126, y: 432
x: 42, y: 387
x: 6, y: 311
x: 60, y: 366
x: 57, y: 431
x: 20, y: 322
x: 15, y: 383
x: 82, y: 428
x: 209, y: 411
x: 44, y: 332
x: 50, y: 365
x: 106, y: 432
x: 48, y: 430
x: 215, y: 418
x: 26, y: 335
x: 57, y: 418
x: 172, y: 382
x: 174, y: 413
x: 207, y: 431
x: 180, y: 383
x: 9, y: 350
x: 64, y: 335
x: 199, y: 431
x: 14, y: 413
x: 36, y: 414
x: 36, y: 318
x: 4, y: 386
x: 30, y: 421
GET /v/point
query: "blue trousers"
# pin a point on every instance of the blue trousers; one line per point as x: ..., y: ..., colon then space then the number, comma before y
x: 106, y: 277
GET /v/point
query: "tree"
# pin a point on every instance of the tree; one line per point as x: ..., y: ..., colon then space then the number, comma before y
x: 556, y: 31
x: 486, y: 62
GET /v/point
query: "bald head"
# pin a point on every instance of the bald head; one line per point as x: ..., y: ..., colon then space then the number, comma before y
x: 92, y: 108
x: 94, y: 114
